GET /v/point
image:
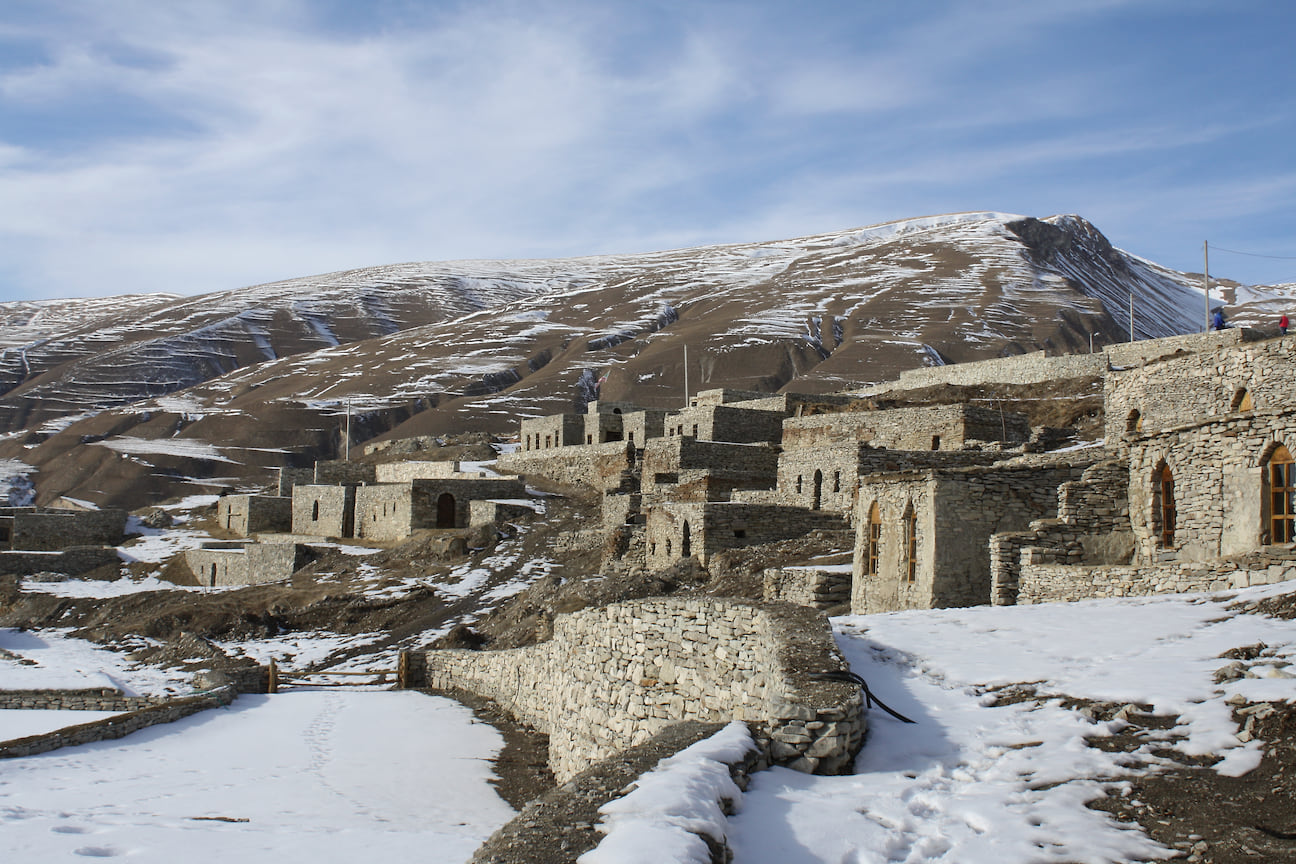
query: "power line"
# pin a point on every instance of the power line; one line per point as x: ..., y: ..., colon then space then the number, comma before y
x: 1254, y: 254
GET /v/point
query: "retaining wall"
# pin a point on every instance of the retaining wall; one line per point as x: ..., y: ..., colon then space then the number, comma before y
x: 612, y: 677
x: 1046, y: 583
x: 1022, y: 369
x: 119, y: 726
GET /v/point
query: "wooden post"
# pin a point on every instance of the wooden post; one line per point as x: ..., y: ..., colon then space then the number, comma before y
x: 402, y: 671
x: 272, y: 685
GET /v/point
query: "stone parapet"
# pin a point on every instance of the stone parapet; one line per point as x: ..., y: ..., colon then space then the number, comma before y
x: 87, y: 699
x: 816, y: 587
x: 1047, y: 582
x: 71, y: 562
x: 118, y: 726
x: 1022, y: 369
x: 612, y: 677
x: 601, y: 467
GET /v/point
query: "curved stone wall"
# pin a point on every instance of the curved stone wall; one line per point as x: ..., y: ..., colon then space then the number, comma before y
x: 614, y: 676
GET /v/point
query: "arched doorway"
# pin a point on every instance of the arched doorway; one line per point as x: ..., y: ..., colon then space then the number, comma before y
x: 1280, y: 477
x: 445, y: 510
x: 686, y: 542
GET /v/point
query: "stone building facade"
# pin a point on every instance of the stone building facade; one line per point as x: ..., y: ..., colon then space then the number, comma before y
x: 922, y: 537
x: 226, y: 564
x: 733, y: 423
x: 677, y: 530
x: 936, y: 427
x: 246, y: 515
x: 323, y: 511
x: 393, y: 511
x: 693, y: 469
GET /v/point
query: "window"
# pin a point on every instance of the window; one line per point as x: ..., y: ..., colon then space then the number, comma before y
x: 1282, y: 496
x: 686, y: 542
x: 589, y: 439
x: 1242, y: 401
x: 315, y: 511
x: 874, y: 541
x: 1134, y: 422
x: 1165, y: 480
x: 935, y: 442
x: 911, y: 543
x: 798, y: 484
x: 818, y: 490
x: 695, y: 430
x: 836, y: 481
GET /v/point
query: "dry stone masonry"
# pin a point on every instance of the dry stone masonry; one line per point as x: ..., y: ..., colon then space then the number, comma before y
x: 612, y: 677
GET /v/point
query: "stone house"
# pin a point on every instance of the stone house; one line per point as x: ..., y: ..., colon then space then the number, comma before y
x: 323, y: 510
x: 693, y: 469
x: 393, y: 511
x: 1203, y: 466
x: 223, y: 564
x: 677, y: 530
x: 922, y: 536
x: 245, y: 515
x: 733, y: 423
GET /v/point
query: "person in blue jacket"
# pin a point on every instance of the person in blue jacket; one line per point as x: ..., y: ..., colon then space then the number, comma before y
x: 1218, y: 321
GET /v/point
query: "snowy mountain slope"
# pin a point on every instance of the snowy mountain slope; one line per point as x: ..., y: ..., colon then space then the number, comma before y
x: 269, y: 372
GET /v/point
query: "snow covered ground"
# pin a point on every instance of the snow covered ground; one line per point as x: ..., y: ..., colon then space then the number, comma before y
x: 980, y: 783
x: 306, y: 776
x: 335, y: 775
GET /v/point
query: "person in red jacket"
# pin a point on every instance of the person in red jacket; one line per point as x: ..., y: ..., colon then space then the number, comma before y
x: 1282, y: 324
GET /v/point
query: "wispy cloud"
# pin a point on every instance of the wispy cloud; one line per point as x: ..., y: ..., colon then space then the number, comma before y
x: 206, y: 145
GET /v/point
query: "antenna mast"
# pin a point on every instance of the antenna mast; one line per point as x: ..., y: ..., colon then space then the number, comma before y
x: 1206, y: 281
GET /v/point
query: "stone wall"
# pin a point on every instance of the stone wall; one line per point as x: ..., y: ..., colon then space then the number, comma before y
x: 601, y: 467
x: 45, y: 529
x: 323, y: 511
x: 1141, y: 351
x: 950, y: 515
x: 691, y: 469
x: 1022, y: 369
x: 344, y: 473
x: 817, y: 587
x: 556, y: 430
x: 1220, y: 485
x: 678, y: 529
x: 639, y: 426
x: 738, y: 425
x: 251, y: 514
x: 120, y: 726
x: 497, y: 512
x: 1092, y: 526
x: 1046, y: 583
x: 404, y: 472
x: 1190, y: 388
x: 290, y: 477
x: 224, y: 564
x: 86, y: 699
x: 72, y: 562
x: 614, y: 676
x: 937, y: 427
x: 392, y: 511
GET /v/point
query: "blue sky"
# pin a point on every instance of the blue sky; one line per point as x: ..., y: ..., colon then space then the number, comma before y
x: 200, y: 146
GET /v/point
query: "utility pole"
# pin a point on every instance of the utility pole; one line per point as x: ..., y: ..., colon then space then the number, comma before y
x: 686, y: 386
x: 1206, y: 281
x: 347, y: 451
x: 1131, y: 316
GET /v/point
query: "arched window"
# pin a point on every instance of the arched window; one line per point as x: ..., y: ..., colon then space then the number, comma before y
x: 1134, y: 422
x: 686, y: 542
x: 818, y: 490
x: 1166, y: 504
x: 315, y: 512
x: 1242, y: 401
x: 1281, y: 475
x: 911, y: 543
x: 874, y: 541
